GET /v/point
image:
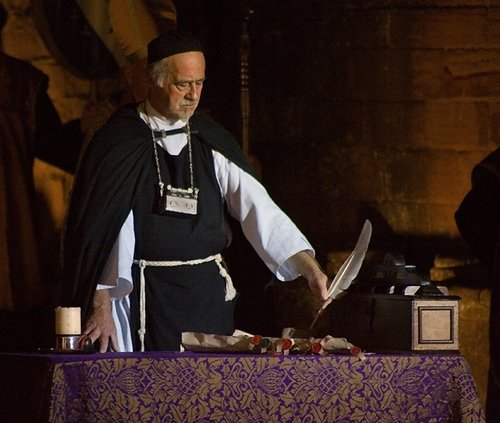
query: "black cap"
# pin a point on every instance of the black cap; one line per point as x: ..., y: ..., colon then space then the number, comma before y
x: 170, y: 43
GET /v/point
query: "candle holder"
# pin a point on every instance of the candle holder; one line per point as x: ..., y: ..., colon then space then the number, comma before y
x: 74, y: 343
x: 68, y: 331
x: 67, y: 342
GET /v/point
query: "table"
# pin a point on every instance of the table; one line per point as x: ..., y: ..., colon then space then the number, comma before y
x: 203, y: 387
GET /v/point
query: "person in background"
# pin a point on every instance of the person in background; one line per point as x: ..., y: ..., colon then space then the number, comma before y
x: 478, y: 220
x: 147, y: 221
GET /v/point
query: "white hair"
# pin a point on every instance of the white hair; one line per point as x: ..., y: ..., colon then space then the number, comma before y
x: 158, y: 71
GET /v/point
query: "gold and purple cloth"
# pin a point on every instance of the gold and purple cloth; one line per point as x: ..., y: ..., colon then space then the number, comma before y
x: 203, y: 387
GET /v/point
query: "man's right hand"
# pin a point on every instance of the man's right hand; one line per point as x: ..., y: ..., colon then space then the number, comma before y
x: 101, y: 326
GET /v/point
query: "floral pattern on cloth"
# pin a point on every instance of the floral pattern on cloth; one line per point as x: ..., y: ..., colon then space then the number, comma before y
x: 187, y: 387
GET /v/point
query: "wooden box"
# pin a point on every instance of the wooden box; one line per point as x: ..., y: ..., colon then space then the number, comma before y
x: 391, y: 322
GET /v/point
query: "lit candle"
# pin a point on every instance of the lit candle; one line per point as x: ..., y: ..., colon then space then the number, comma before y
x: 68, y: 321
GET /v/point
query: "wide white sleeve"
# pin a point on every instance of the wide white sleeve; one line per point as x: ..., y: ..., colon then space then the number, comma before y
x: 117, y: 277
x: 269, y: 230
x: 117, y: 274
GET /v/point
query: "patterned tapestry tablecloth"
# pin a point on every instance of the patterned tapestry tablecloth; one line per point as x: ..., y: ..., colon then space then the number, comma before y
x: 195, y: 387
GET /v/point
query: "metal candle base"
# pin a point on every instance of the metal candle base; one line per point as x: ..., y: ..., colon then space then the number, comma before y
x: 67, y: 342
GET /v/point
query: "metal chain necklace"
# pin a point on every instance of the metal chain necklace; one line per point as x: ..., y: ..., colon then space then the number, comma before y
x: 174, y: 199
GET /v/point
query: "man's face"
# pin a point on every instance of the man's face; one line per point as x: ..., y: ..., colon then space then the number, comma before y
x: 182, y: 86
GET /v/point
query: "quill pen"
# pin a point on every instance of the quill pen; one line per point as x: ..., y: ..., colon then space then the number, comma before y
x: 349, y: 269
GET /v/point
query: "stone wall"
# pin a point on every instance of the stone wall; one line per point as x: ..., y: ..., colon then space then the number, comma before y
x: 382, y: 107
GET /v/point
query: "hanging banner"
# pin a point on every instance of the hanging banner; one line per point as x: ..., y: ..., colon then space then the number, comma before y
x: 74, y: 36
x: 95, y: 38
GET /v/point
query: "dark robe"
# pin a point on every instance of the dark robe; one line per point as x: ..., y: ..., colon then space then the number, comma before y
x: 478, y: 220
x: 29, y: 273
x: 112, y: 174
x: 21, y: 275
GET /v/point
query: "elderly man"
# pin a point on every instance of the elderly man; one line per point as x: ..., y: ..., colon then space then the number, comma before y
x: 147, y: 221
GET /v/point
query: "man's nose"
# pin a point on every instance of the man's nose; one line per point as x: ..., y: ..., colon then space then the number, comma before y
x: 194, y: 91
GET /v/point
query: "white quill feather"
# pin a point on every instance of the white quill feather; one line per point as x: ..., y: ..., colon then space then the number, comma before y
x: 349, y: 269
x: 351, y: 266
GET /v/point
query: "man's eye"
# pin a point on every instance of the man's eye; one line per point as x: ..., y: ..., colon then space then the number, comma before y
x: 182, y: 85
